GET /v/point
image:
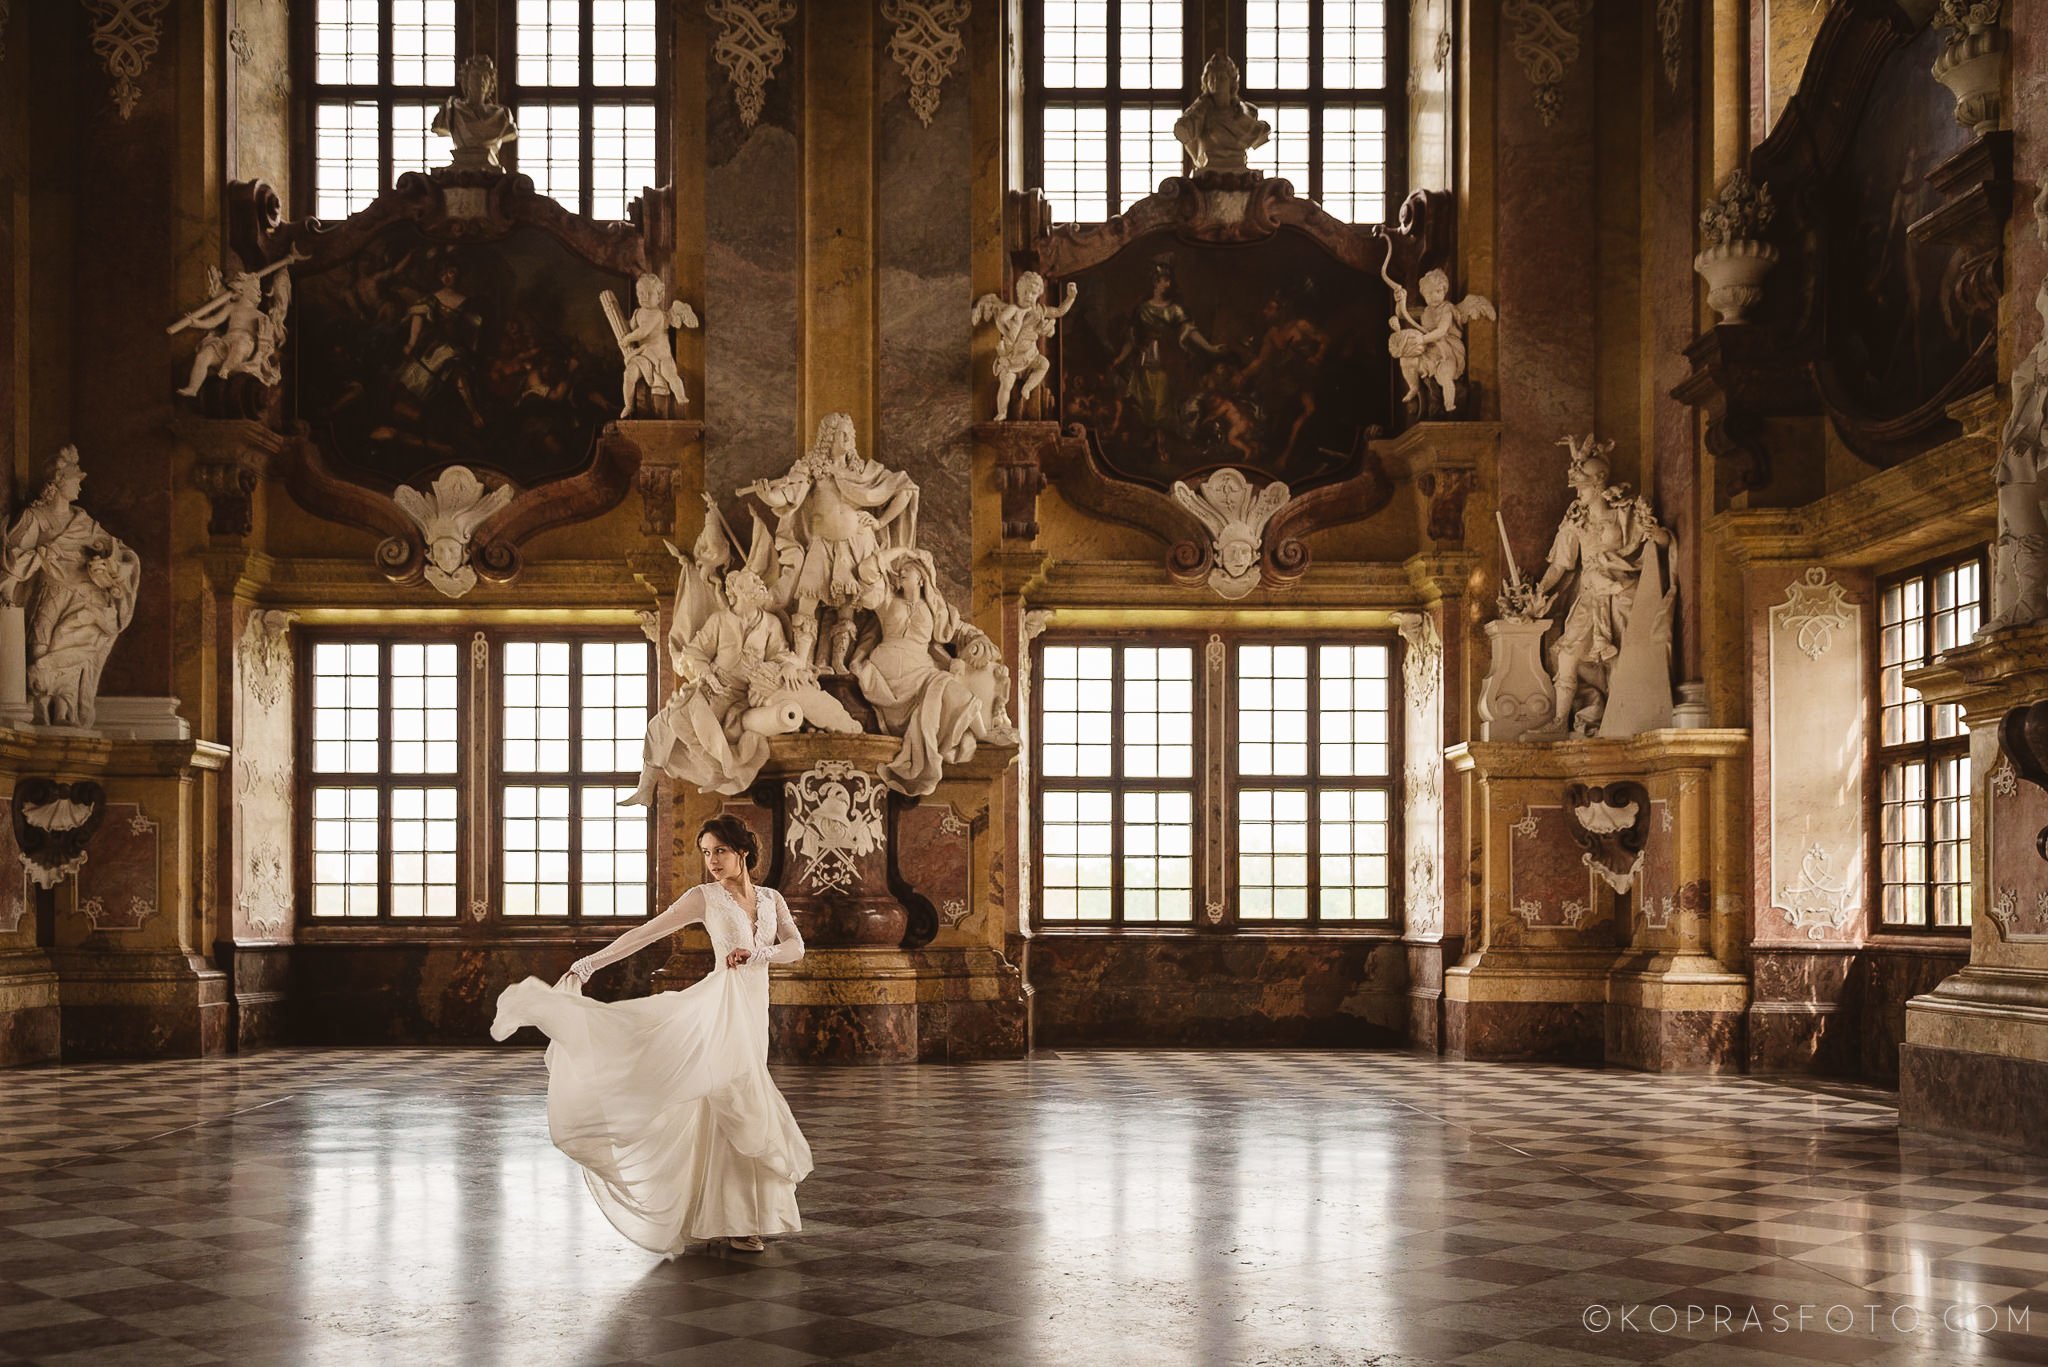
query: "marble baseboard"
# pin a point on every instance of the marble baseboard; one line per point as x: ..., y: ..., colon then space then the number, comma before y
x: 31, y: 1034
x: 1664, y: 1041
x: 1802, y: 1037
x: 843, y: 1032
x: 1988, y: 1098
x: 259, y: 982
x: 140, y: 1004
x: 426, y: 993
x: 962, y: 1031
x: 1525, y: 1032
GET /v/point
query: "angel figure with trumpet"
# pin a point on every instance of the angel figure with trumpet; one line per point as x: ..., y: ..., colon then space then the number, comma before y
x: 1431, y: 348
x: 247, y: 328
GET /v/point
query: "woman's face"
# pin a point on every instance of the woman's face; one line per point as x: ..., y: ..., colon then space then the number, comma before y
x: 721, y: 861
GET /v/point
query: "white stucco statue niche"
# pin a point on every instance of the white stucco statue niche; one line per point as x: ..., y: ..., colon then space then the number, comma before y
x: 1219, y: 127
x: 246, y: 322
x: 1021, y: 329
x: 2020, y: 582
x: 1611, y: 665
x: 646, y: 343
x: 448, y: 514
x: 78, y: 584
x: 473, y: 120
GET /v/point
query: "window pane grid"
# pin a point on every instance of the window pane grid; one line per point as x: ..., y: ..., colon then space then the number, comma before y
x: 346, y: 707
x: 1273, y: 854
x: 535, y: 855
x: 424, y: 689
x: 1074, y: 45
x: 615, y: 875
x: 423, y: 835
x: 415, y: 146
x: 622, y: 42
x: 1289, y: 152
x: 548, y: 36
x: 1147, y: 151
x: 346, y: 158
x: 1354, y: 44
x: 551, y: 151
x: 1923, y: 814
x: 1076, y: 157
x: 344, y: 845
x: 422, y: 43
x: 345, y: 42
x: 1277, y: 38
x: 1076, y: 855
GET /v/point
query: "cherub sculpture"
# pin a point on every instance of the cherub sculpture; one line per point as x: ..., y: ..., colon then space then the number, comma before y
x: 645, y: 343
x: 1020, y: 328
x: 1219, y: 128
x: 1236, y: 518
x: 248, y: 329
x: 456, y: 506
x: 473, y: 120
x: 1431, y: 349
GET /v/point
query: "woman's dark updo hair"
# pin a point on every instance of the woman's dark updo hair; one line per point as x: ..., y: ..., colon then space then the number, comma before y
x: 736, y: 834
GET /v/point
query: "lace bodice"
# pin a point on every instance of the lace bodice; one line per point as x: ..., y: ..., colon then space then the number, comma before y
x: 770, y: 934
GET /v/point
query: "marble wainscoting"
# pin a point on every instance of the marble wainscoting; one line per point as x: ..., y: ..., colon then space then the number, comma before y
x: 1200, y: 989
x: 355, y: 992
x: 940, y: 1004
x: 1803, y: 1017
x: 1889, y: 976
x: 31, y: 1022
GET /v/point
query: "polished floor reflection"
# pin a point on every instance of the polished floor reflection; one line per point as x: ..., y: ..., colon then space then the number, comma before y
x: 360, y: 1207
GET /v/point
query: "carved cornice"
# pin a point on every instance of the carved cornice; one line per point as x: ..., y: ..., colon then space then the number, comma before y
x: 926, y: 44
x: 749, y: 46
x: 1933, y: 502
x: 125, y: 34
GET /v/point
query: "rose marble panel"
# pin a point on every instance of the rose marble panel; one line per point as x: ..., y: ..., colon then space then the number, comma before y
x: 2014, y: 871
x: 1656, y: 890
x: 1817, y: 700
x: 923, y: 241
x: 751, y: 220
x: 117, y: 884
x: 1550, y: 889
x: 933, y: 852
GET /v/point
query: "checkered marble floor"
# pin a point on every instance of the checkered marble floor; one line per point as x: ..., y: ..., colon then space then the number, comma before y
x: 1286, y: 1209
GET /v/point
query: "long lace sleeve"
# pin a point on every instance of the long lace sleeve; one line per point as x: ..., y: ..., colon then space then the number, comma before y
x: 788, y: 946
x: 685, y: 910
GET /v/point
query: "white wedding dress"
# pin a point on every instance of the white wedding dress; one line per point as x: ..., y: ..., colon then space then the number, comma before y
x: 666, y: 1100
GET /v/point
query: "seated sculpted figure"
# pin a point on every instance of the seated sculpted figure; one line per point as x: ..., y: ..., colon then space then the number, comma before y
x: 741, y: 684
x: 80, y: 583
x: 938, y: 705
x: 1219, y: 128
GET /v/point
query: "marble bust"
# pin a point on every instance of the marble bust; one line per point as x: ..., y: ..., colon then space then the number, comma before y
x: 474, y: 120
x: 1219, y: 128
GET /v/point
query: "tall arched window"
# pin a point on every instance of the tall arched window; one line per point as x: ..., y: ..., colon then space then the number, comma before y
x: 1105, y: 80
x: 586, y: 80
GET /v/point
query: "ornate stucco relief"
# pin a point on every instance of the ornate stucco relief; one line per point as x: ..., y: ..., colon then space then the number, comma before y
x: 926, y: 44
x: 750, y: 46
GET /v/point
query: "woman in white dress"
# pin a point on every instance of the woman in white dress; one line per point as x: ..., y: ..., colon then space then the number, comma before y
x: 666, y: 1100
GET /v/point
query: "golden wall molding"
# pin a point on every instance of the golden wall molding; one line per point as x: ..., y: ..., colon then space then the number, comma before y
x: 1941, y: 499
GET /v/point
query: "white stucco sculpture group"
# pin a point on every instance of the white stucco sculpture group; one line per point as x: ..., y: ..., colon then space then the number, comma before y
x: 1611, y: 665
x: 836, y: 589
x: 246, y: 324
x: 77, y: 584
x: 1021, y: 329
x: 646, y: 341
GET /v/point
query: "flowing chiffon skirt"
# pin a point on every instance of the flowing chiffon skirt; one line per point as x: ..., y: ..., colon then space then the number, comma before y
x: 666, y: 1103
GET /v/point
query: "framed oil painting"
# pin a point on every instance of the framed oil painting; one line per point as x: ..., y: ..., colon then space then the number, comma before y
x: 1182, y: 356
x: 415, y: 354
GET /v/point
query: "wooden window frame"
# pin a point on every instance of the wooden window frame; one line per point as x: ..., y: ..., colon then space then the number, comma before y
x: 1392, y: 98
x: 1216, y: 785
x: 479, y: 782
x: 1116, y: 783
x: 1928, y: 750
x: 307, y: 96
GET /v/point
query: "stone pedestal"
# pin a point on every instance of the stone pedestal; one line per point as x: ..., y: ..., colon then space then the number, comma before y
x: 1975, y: 1060
x: 903, y: 947
x: 1517, y: 697
x: 1591, y: 949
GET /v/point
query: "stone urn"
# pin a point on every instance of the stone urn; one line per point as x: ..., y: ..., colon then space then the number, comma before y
x: 1734, y: 272
x: 1972, y: 66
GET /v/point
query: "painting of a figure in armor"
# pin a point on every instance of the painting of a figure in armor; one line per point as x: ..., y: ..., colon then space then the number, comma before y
x: 1182, y: 357
x: 495, y: 355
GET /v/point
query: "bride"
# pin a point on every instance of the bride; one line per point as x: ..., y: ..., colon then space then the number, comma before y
x: 666, y: 1100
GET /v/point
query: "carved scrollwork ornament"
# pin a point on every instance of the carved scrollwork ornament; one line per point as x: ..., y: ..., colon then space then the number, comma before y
x: 1546, y: 43
x: 750, y: 46
x: 125, y: 34
x: 53, y: 824
x: 1611, y: 823
x: 926, y: 45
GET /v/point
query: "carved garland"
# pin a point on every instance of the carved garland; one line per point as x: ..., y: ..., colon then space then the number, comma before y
x: 926, y: 44
x: 1546, y: 43
x: 125, y: 34
x: 750, y: 46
